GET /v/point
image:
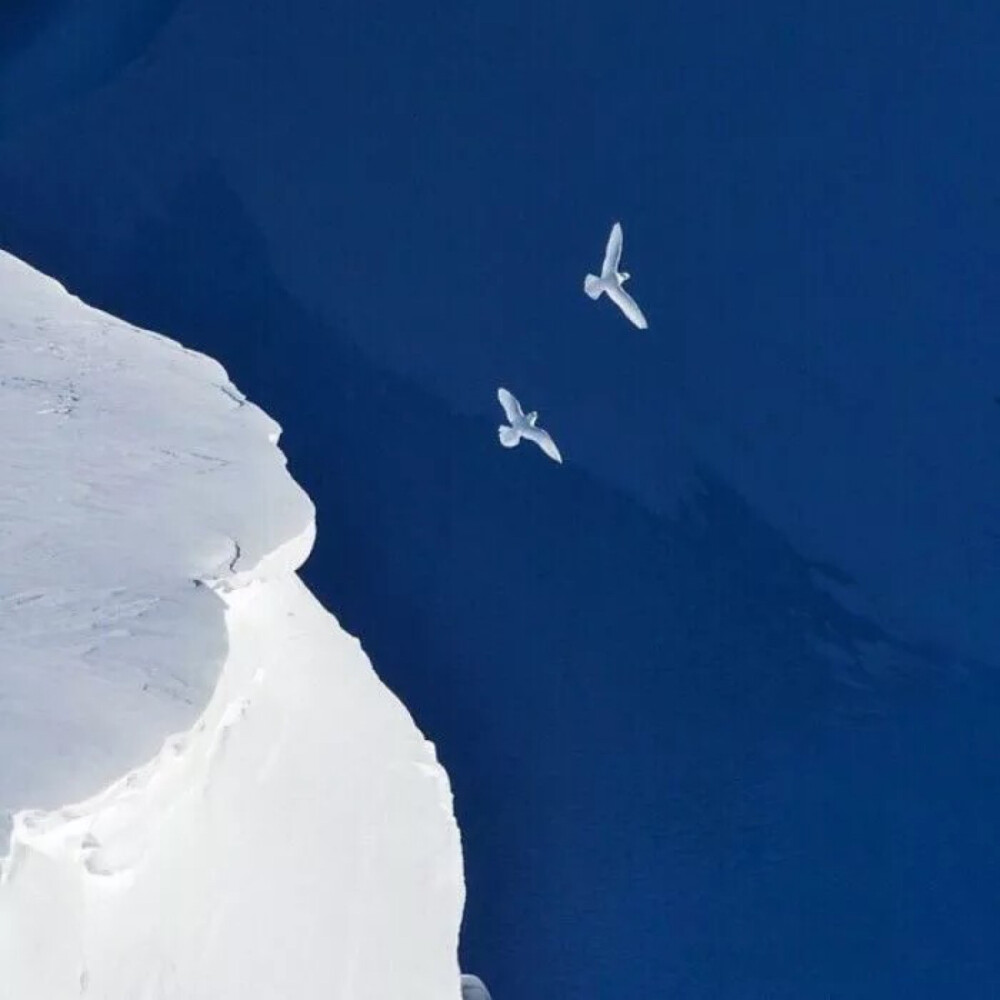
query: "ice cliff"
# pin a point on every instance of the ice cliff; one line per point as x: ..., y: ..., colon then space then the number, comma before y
x: 206, y: 790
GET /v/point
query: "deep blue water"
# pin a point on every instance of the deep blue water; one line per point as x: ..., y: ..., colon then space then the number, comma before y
x: 719, y: 696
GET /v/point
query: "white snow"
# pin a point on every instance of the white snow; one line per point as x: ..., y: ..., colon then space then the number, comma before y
x: 295, y: 837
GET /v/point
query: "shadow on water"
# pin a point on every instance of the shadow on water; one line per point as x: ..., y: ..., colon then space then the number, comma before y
x: 53, y: 50
x: 673, y: 751
x: 23, y: 21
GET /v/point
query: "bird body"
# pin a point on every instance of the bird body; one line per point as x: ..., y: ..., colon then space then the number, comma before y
x: 612, y: 280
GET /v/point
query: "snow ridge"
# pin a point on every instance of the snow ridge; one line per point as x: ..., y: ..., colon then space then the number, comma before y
x: 296, y: 836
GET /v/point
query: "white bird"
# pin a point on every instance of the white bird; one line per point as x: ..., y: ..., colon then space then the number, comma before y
x: 611, y: 280
x: 523, y: 426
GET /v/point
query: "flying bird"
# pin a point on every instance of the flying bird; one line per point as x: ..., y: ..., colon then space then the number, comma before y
x: 611, y: 280
x: 523, y: 426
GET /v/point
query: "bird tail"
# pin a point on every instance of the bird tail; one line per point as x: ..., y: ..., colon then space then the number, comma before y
x: 592, y: 286
x: 509, y: 437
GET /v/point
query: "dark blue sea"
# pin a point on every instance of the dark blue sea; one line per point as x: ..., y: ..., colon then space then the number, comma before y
x: 719, y: 696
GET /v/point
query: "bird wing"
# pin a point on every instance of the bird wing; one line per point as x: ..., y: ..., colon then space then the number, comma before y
x: 627, y: 304
x: 612, y: 252
x: 544, y: 441
x: 510, y: 405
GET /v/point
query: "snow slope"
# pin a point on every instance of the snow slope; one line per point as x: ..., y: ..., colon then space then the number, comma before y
x: 295, y: 836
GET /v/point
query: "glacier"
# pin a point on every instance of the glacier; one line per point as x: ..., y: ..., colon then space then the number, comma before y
x: 207, y: 791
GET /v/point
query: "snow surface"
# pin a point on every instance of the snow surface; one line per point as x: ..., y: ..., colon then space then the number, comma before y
x: 256, y: 815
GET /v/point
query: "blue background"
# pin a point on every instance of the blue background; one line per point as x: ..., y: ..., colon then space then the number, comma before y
x: 718, y: 697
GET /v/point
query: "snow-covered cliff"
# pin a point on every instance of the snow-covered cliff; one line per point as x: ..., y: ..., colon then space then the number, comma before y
x: 210, y: 793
